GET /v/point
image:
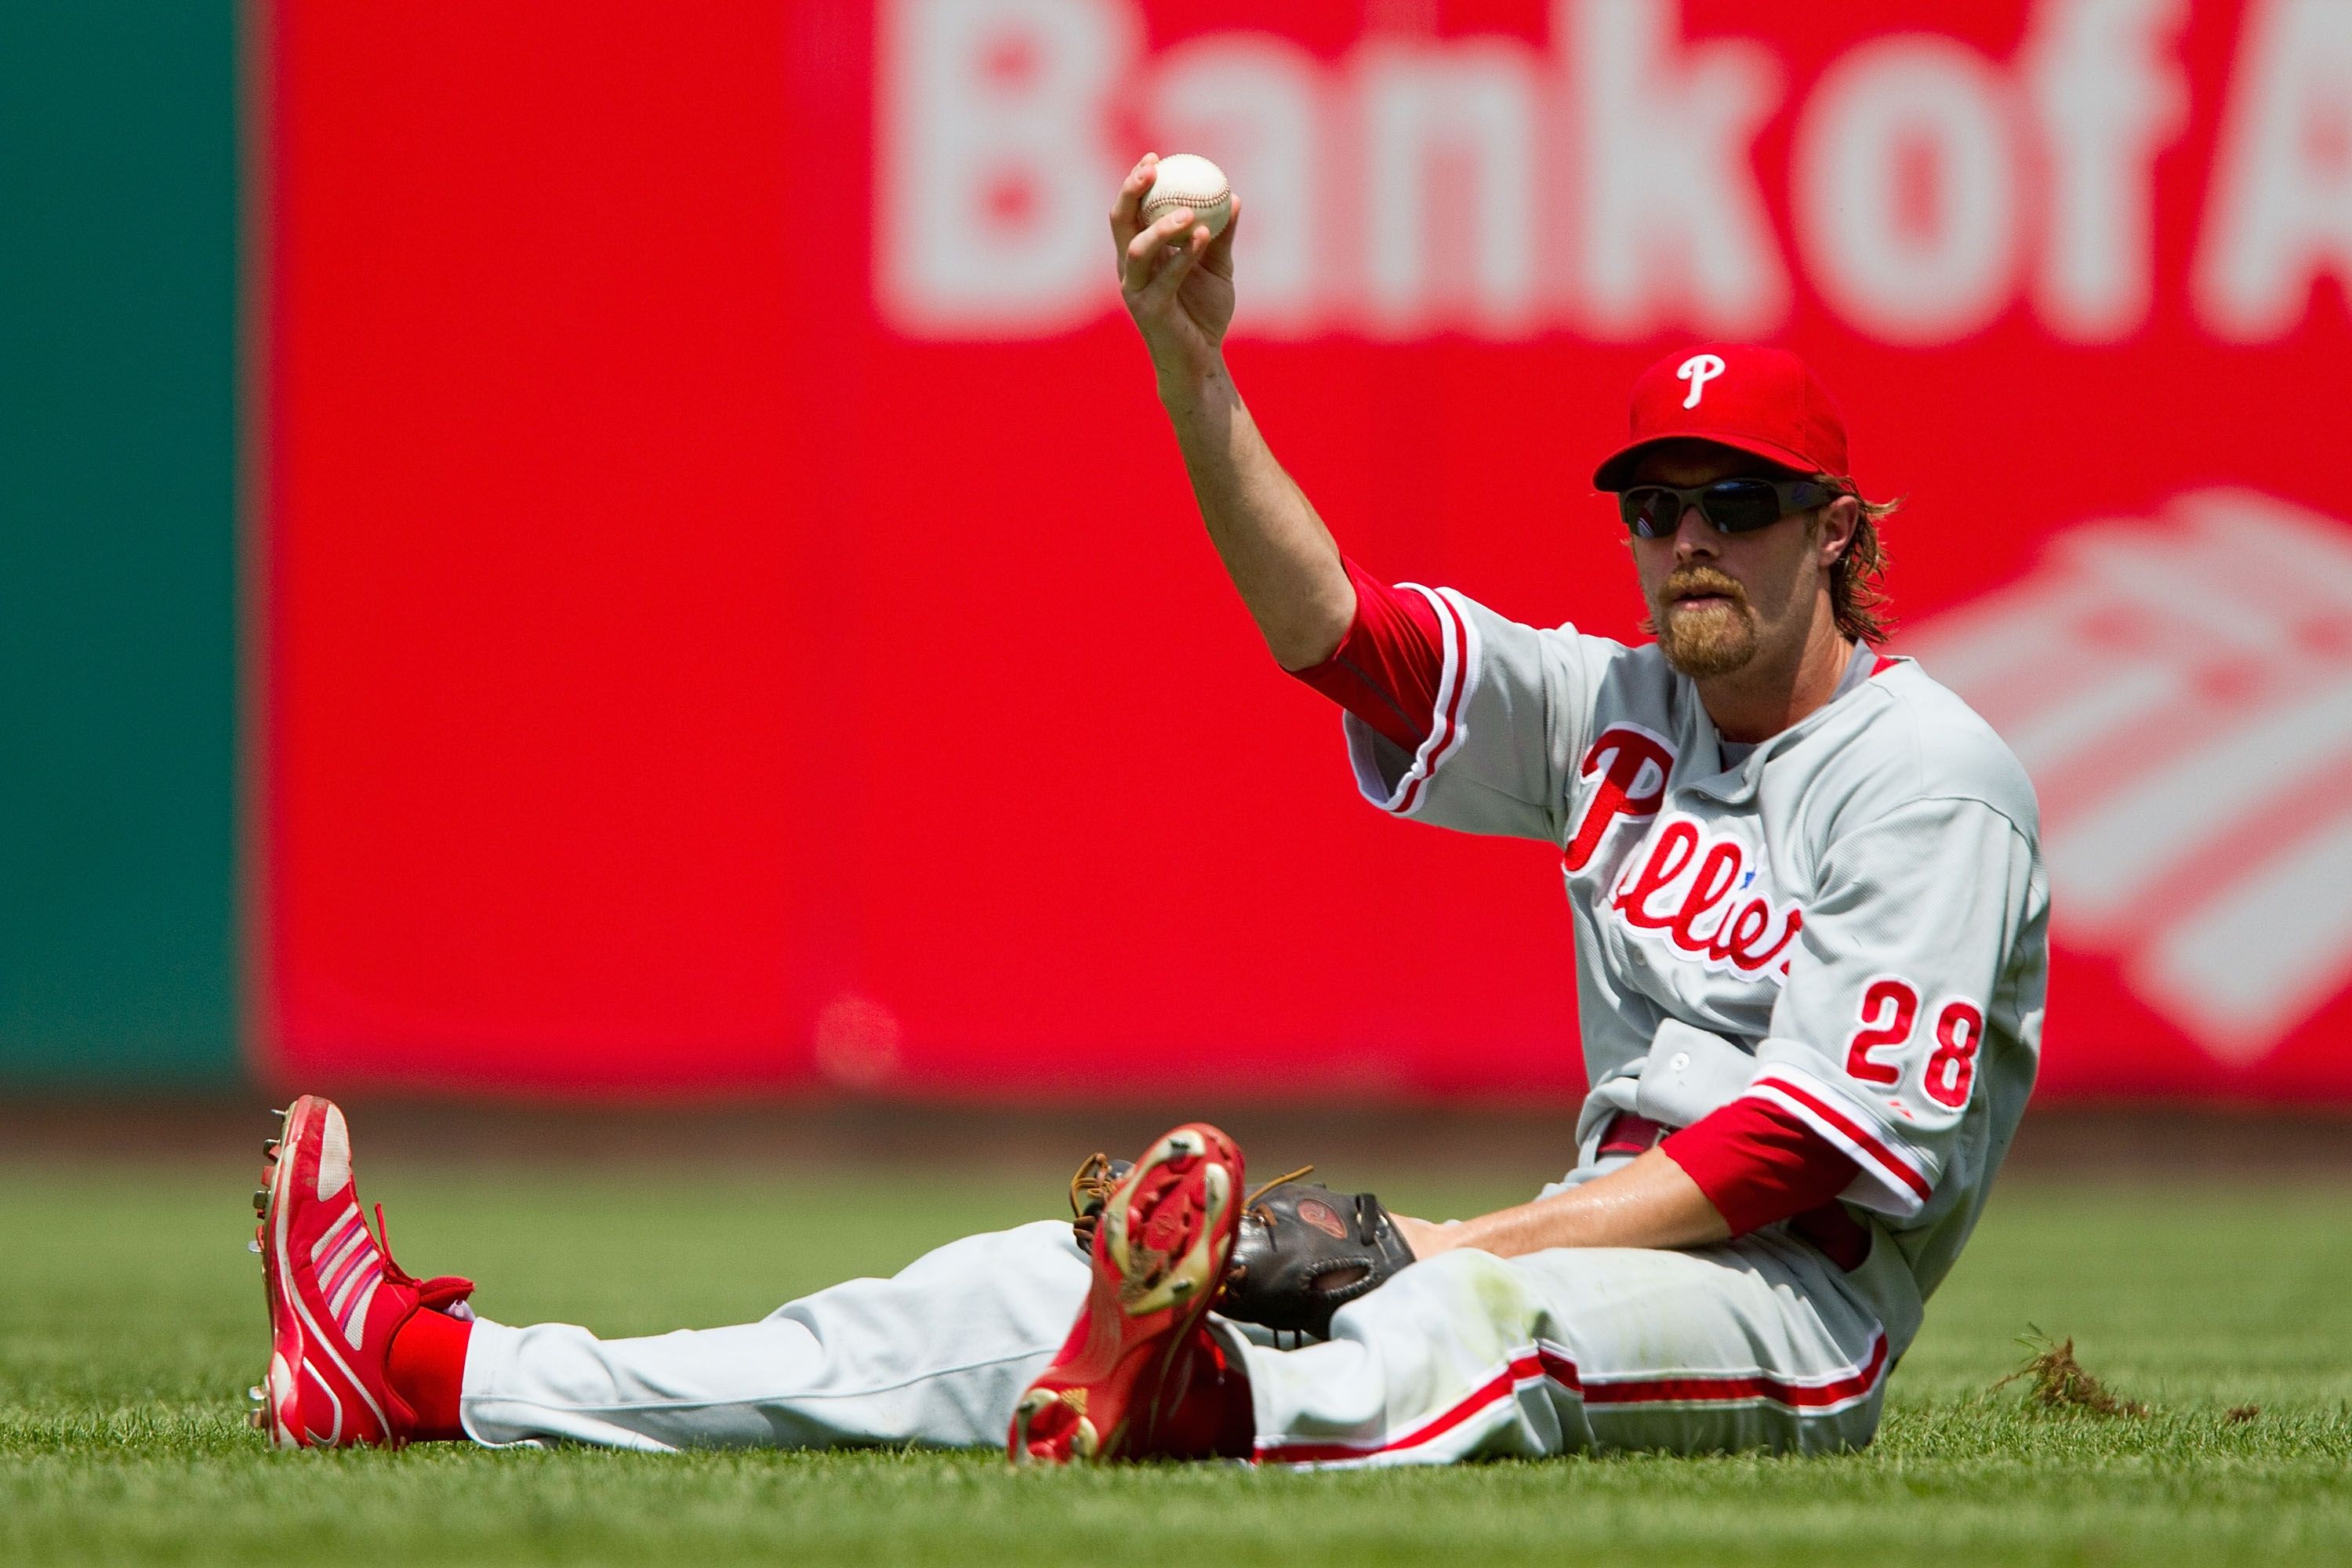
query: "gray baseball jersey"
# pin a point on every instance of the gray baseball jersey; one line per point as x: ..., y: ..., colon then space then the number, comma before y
x: 1848, y: 919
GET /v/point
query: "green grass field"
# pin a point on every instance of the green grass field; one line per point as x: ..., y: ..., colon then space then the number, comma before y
x: 130, y: 1324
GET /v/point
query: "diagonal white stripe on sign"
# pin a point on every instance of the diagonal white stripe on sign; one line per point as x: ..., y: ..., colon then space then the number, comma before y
x: 2076, y: 719
x: 2253, y: 962
x: 2289, y: 556
x: 2111, y: 861
x: 2008, y: 642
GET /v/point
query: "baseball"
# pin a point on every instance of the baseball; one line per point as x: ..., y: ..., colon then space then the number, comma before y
x: 1189, y: 180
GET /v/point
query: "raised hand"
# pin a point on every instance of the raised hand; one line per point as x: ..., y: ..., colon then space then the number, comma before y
x: 1176, y: 280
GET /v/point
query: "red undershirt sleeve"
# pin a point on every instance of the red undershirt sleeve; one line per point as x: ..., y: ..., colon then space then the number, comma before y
x: 1386, y: 669
x: 1758, y: 1164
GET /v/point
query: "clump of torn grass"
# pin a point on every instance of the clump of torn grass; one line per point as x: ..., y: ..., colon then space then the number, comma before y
x: 2058, y: 1382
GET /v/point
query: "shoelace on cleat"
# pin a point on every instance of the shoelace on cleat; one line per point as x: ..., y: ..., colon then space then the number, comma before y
x: 442, y: 1293
x: 1090, y: 1185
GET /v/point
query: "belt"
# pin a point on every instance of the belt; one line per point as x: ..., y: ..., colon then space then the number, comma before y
x: 1626, y: 1133
x: 1832, y: 1229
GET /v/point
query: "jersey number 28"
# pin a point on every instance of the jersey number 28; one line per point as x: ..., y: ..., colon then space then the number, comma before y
x: 1890, y: 1007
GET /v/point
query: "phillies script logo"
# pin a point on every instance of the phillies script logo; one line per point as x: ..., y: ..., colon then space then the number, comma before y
x: 1692, y: 887
x: 1696, y: 889
x: 1633, y: 763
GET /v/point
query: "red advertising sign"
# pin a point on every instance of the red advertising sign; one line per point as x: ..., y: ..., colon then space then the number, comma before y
x: 735, y: 616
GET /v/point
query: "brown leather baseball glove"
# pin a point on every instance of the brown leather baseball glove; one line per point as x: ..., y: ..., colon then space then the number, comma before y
x: 1303, y: 1253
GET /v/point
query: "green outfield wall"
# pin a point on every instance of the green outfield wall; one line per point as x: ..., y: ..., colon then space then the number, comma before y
x: 118, y: 545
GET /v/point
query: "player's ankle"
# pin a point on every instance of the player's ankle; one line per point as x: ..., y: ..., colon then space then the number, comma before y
x: 426, y: 1364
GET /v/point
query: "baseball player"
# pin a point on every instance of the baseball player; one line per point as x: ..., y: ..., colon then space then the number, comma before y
x: 1809, y: 918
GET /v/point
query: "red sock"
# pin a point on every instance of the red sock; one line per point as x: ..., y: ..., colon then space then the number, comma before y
x: 1237, y: 1435
x: 427, y: 1365
x: 1214, y: 1419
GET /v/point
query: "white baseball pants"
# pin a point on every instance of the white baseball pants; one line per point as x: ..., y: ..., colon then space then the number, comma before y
x: 1760, y: 1343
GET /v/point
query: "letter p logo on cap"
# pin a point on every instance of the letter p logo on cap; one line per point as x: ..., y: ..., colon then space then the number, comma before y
x: 1698, y: 370
x: 1775, y: 408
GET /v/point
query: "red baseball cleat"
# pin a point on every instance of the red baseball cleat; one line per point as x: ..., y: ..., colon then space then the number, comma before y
x: 1159, y: 1254
x: 336, y: 1297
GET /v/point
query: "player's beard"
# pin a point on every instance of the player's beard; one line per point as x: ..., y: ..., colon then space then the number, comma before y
x: 1703, y: 640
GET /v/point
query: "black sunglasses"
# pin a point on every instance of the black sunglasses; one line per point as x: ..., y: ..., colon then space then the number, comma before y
x: 1729, y: 506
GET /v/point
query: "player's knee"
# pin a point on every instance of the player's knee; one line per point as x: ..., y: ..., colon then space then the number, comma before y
x: 1464, y: 1282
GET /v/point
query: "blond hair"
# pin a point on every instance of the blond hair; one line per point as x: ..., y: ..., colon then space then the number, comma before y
x: 1857, y: 588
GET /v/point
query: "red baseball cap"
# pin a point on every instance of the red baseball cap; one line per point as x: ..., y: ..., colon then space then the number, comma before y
x: 1767, y: 402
